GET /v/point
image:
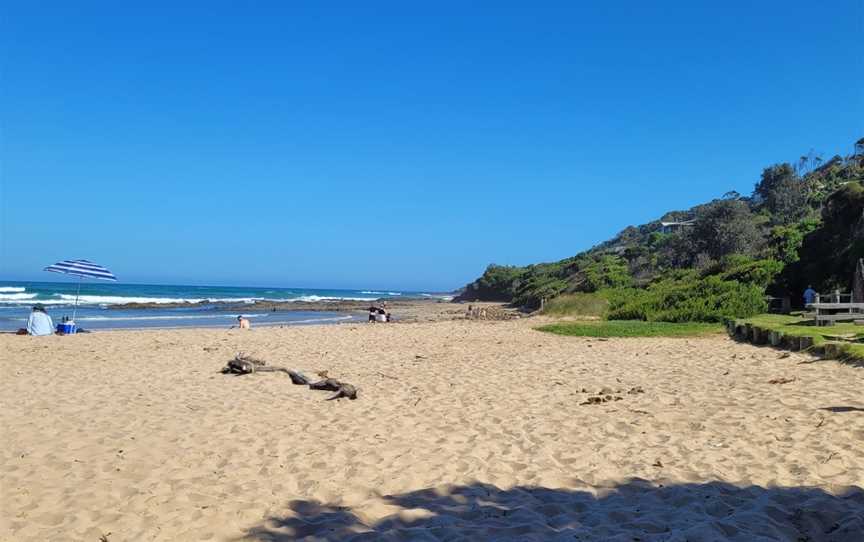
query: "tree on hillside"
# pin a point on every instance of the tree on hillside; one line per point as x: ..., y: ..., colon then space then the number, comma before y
x: 782, y: 193
x: 829, y: 253
x: 725, y: 227
x: 498, y: 283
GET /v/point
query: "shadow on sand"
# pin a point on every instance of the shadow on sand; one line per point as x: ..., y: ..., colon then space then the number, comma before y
x: 637, y: 510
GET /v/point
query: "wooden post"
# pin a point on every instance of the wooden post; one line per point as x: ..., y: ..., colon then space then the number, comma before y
x: 757, y: 335
x: 774, y: 338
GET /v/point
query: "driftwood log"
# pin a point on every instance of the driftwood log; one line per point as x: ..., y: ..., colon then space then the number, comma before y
x: 331, y: 384
x: 244, y: 365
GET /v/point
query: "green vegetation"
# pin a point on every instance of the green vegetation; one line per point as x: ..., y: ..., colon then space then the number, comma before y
x: 803, y: 224
x: 732, y: 288
x: 579, y: 304
x: 828, y: 253
x: 619, y: 328
x: 798, y: 326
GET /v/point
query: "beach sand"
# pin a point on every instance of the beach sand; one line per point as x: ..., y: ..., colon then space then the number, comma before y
x: 470, y: 429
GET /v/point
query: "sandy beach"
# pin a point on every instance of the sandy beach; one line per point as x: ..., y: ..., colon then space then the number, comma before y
x: 462, y: 430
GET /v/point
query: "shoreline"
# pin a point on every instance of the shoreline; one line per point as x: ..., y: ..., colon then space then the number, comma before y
x: 346, y: 305
x: 403, y: 310
x: 290, y: 314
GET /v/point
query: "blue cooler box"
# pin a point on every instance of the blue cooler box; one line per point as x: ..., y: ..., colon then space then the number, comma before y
x: 67, y: 328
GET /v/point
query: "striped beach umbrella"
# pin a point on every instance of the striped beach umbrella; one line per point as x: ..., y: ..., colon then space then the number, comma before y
x: 81, y: 269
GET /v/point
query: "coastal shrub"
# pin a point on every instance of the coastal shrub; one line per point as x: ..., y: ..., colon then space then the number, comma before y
x: 749, y: 271
x: 786, y: 241
x: 578, y: 304
x: 688, y: 297
x: 606, y: 272
x: 537, y: 287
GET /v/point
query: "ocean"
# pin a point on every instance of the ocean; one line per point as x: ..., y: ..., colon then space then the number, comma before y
x: 97, y: 298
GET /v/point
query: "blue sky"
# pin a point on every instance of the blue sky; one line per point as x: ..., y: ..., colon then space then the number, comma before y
x: 398, y: 144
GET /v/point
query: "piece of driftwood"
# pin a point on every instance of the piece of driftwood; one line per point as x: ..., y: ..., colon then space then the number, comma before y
x: 244, y: 365
x: 342, y: 389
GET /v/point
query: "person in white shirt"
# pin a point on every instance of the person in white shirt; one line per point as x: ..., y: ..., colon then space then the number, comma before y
x: 39, y: 324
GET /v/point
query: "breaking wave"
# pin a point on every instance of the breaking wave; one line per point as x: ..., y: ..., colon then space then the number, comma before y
x: 15, y: 298
x: 195, y: 317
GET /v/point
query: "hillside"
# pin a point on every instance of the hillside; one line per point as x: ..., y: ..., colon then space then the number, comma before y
x: 802, y: 223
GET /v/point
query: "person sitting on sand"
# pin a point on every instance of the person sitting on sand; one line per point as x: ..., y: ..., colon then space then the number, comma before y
x: 39, y: 324
x: 243, y: 323
x: 373, y: 311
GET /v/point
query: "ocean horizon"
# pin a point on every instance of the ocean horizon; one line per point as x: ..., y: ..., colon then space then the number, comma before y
x: 100, y: 304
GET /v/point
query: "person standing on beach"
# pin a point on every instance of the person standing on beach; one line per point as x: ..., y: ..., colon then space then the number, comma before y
x: 809, y: 295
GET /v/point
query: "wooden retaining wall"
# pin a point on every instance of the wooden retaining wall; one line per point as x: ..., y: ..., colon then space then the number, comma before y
x: 742, y: 331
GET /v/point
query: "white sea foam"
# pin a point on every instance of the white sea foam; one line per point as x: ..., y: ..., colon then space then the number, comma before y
x: 119, y: 300
x: 69, y: 299
x: 378, y: 293
x: 15, y: 298
x: 172, y: 317
x: 439, y: 296
x: 327, y: 298
x: 12, y: 289
x: 57, y: 302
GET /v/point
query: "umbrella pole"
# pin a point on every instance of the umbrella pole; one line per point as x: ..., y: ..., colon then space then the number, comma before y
x: 75, y: 308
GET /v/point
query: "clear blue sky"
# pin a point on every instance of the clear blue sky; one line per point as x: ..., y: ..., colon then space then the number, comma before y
x: 398, y: 144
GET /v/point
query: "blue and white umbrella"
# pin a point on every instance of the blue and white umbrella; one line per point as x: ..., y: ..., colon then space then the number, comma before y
x: 82, y: 269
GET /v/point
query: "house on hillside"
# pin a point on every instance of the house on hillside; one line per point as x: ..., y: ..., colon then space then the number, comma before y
x: 670, y: 227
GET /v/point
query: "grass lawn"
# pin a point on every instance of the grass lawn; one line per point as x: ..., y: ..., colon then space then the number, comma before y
x: 632, y: 328
x: 798, y: 326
